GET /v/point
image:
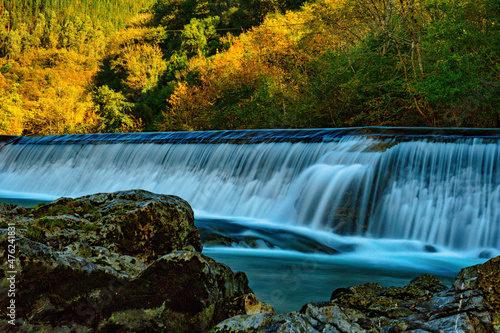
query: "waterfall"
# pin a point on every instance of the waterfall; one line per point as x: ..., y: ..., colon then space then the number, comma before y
x: 438, y: 188
x: 443, y: 193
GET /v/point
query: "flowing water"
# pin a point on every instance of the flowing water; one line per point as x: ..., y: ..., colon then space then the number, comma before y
x: 302, y: 212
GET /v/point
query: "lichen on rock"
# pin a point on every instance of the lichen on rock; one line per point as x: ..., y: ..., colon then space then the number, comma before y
x: 125, y: 261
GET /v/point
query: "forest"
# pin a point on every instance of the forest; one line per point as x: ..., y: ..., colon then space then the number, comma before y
x: 82, y: 66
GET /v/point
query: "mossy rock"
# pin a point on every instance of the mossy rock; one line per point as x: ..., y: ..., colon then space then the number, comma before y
x: 92, y: 275
x: 136, y: 223
x: 428, y: 282
x: 408, y: 292
x: 488, y: 281
x: 195, y: 291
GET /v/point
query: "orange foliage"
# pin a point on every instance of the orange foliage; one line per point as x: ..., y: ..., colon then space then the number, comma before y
x: 264, y: 60
x: 52, y: 87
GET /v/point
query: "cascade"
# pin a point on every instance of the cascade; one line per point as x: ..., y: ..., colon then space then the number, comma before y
x: 434, y: 186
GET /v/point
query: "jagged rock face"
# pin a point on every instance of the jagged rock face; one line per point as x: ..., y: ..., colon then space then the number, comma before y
x: 125, y: 261
x: 186, y: 291
x: 424, y: 305
x: 484, y: 279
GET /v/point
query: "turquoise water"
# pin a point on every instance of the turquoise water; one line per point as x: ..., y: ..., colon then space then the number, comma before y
x: 288, y: 278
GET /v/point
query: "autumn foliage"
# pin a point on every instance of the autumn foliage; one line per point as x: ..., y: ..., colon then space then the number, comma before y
x: 199, y: 65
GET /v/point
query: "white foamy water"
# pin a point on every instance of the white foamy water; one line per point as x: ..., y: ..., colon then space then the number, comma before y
x: 445, y: 193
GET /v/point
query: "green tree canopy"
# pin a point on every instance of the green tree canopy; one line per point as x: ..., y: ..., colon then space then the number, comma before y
x: 113, y: 110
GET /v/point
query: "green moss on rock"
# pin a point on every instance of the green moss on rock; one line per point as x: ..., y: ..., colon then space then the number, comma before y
x: 84, y: 264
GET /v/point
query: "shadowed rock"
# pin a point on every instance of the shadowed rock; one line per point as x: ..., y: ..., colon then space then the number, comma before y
x: 126, y: 261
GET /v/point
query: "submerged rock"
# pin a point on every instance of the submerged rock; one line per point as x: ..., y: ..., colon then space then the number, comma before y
x: 423, y: 305
x: 126, y: 261
x: 214, y: 234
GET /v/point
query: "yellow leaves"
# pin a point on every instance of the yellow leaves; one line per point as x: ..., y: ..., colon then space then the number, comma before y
x: 337, y: 21
x: 4, y: 85
x: 186, y: 102
x: 58, y: 113
x: 179, y: 95
x: 141, y: 20
x: 53, y: 90
x: 292, y: 25
x: 11, y: 115
x: 198, y: 63
x: 142, y: 66
x: 278, y: 34
x: 230, y: 61
x: 127, y: 36
x: 62, y: 60
x: 229, y: 81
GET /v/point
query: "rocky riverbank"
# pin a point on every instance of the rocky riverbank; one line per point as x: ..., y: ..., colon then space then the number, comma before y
x: 131, y: 262
x: 472, y: 304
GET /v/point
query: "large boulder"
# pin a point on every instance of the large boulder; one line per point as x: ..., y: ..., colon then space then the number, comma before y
x: 185, y: 291
x: 423, y: 305
x: 126, y: 261
x: 137, y: 223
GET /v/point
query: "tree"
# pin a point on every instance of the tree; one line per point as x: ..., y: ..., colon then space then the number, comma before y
x: 113, y: 110
x: 463, y: 51
x: 69, y: 36
x: 11, y: 112
x: 140, y: 66
x: 52, y: 31
x: 198, y: 37
x: 175, y: 14
x: 13, y: 44
x: 38, y: 31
